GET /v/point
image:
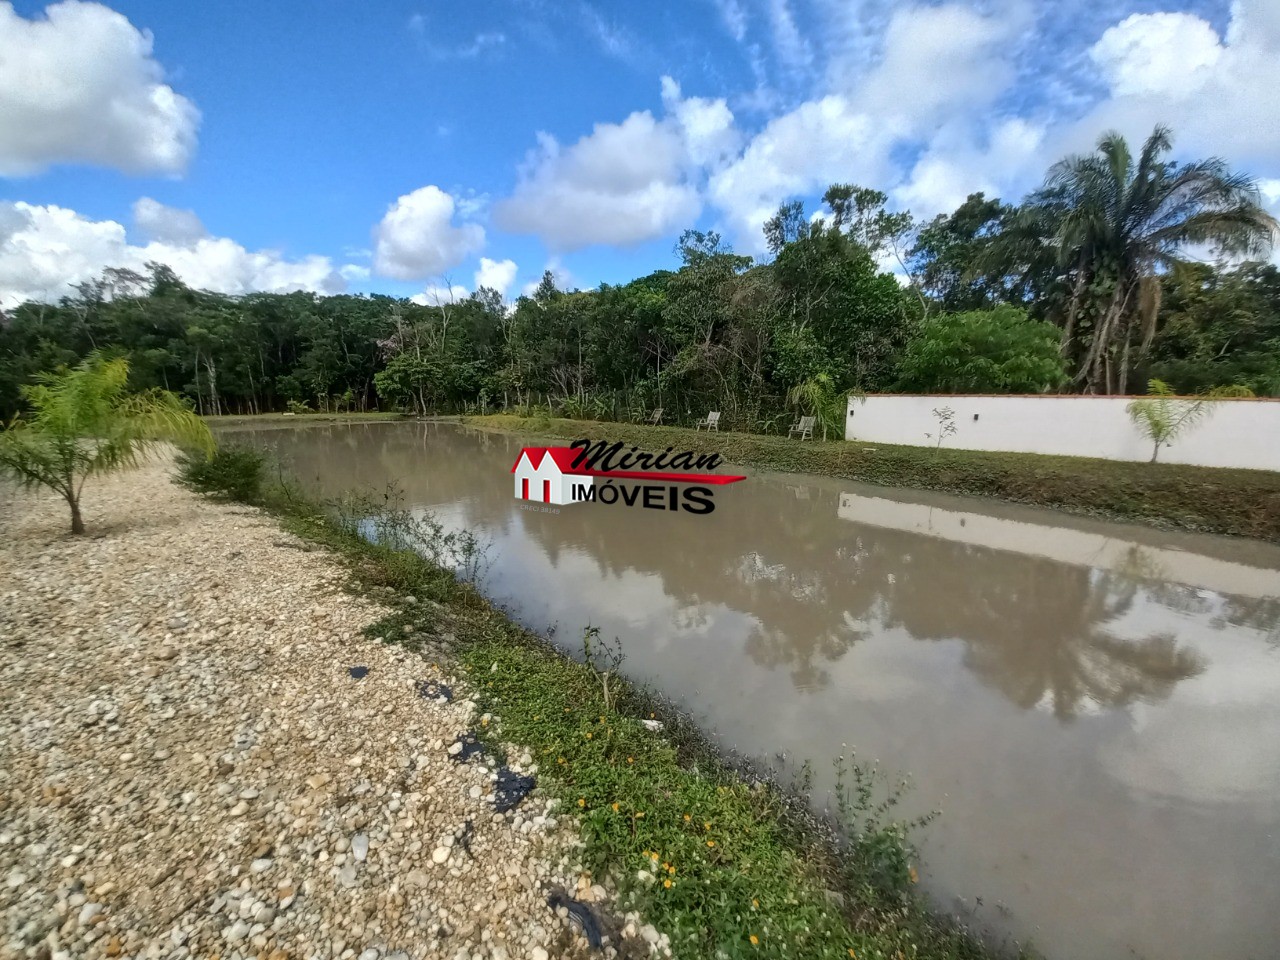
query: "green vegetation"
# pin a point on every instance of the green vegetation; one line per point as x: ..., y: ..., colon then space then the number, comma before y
x: 1081, y: 286
x: 1241, y: 502
x: 983, y: 351
x: 232, y: 473
x: 349, y: 416
x: 1162, y: 416
x: 85, y: 422
x: 1106, y: 225
x: 727, y: 868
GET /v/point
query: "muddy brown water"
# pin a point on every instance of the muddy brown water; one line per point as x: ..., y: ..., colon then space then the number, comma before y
x: 1094, y: 707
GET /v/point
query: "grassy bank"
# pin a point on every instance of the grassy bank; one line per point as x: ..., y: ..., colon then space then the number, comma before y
x: 1240, y: 502
x: 727, y: 866
x: 299, y: 418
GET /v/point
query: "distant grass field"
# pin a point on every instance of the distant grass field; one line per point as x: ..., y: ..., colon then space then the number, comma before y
x: 1239, y: 502
x: 237, y: 419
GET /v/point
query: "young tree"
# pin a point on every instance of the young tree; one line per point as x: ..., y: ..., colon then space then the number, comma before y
x: 84, y: 421
x: 1163, y: 415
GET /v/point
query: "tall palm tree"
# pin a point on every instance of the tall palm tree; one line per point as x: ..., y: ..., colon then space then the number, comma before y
x: 1116, y: 223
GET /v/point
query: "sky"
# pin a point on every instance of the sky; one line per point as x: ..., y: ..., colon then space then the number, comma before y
x: 421, y: 149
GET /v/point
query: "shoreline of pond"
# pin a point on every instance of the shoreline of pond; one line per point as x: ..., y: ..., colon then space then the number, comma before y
x: 654, y: 807
x: 1231, y: 502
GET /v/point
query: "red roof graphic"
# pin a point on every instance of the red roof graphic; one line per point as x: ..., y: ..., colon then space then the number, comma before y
x: 563, y: 457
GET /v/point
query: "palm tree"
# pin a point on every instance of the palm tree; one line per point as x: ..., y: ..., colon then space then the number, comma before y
x: 84, y: 422
x: 1115, y: 224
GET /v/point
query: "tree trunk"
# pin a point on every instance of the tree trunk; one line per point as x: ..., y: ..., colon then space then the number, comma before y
x: 77, y: 522
x: 1155, y: 451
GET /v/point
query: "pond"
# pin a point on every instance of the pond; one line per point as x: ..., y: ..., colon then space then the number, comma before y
x: 1094, y: 707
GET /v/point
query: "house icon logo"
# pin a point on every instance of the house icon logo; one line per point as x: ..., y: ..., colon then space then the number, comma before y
x: 545, y: 475
x: 586, y: 472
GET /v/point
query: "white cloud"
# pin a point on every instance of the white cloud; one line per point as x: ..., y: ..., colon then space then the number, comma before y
x: 614, y: 40
x: 1161, y: 53
x: 791, y: 45
x: 622, y: 184
x: 496, y: 275
x: 44, y: 250
x: 80, y: 86
x: 1217, y: 93
x: 937, y: 60
x: 734, y: 17
x: 440, y: 294
x: 163, y: 224
x: 417, y: 238
x: 935, y: 66
x: 706, y: 126
x: 953, y: 168
x: 819, y: 142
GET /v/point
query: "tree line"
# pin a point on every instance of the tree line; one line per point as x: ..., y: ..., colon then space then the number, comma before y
x: 1121, y: 268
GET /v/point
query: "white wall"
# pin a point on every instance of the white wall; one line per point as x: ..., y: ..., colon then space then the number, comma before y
x: 1235, y: 433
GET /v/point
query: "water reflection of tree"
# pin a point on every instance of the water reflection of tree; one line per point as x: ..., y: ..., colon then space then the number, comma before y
x: 1254, y: 613
x: 739, y: 558
x: 1040, y: 631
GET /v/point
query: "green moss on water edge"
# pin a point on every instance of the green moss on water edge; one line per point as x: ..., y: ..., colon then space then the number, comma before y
x: 728, y: 866
x: 1205, y: 499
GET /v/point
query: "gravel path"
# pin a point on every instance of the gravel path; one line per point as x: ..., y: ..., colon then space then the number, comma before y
x: 189, y: 769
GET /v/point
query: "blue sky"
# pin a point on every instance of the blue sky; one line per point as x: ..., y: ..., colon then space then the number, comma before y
x: 386, y: 146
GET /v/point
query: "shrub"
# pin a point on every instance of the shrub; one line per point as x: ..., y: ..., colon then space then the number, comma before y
x: 233, y: 473
x: 983, y: 351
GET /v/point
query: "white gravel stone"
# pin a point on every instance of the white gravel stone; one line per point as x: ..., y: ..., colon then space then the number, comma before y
x: 211, y: 649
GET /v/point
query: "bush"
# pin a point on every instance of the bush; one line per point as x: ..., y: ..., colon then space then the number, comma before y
x: 983, y: 351
x: 233, y: 473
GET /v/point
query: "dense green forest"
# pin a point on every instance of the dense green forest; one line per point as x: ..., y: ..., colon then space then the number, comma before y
x: 1088, y: 285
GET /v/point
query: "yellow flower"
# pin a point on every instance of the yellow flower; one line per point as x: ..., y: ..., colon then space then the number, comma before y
x: 615, y: 807
x: 671, y: 870
x: 706, y: 826
x: 711, y: 843
x: 640, y: 814
x: 755, y: 941
x: 754, y: 903
x: 602, y: 719
x: 588, y: 736
x: 687, y: 818
x: 582, y: 802
x: 537, y: 716
x: 566, y: 709
x: 852, y: 954
x: 651, y: 716
x: 484, y: 722
x: 667, y: 884
x: 561, y: 760
x: 631, y: 759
